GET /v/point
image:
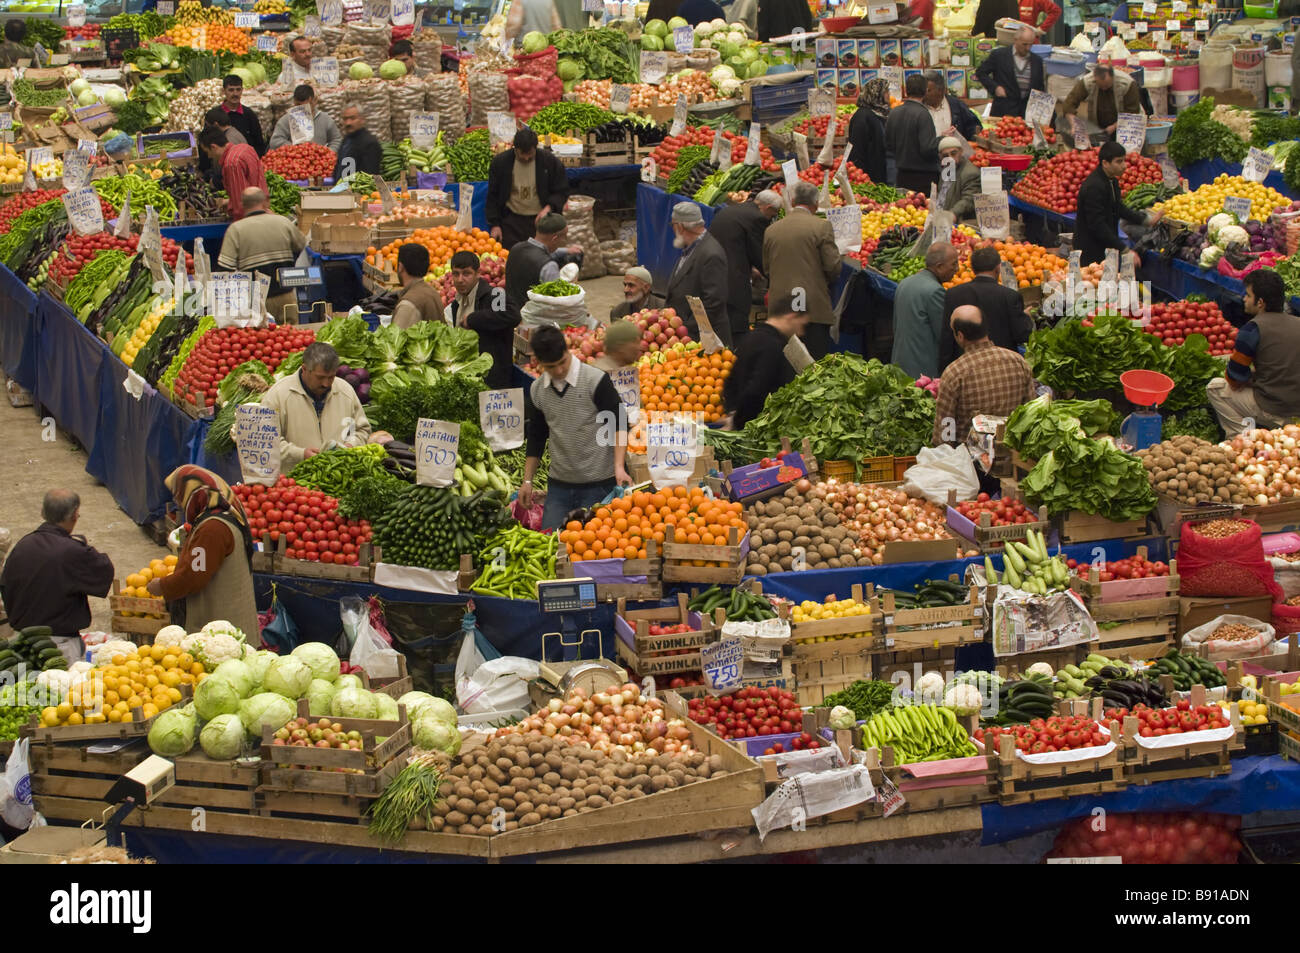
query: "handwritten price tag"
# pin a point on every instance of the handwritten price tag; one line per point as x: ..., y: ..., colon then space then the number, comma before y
x: 311, y: 27
x: 846, y: 222
x: 268, y: 44
x: 77, y: 15
x: 755, y: 139
x: 1257, y: 166
x: 654, y: 66
x: 166, y: 8
x: 1202, y: 26
x: 437, y: 445
x: 722, y: 664
x: 993, y: 215
x: 257, y: 437
x: 620, y: 98
x: 302, y: 128
x: 84, y: 211
x: 683, y: 39
x: 379, y: 11
x: 501, y: 127
x: 1040, y: 109
x: 247, y: 21
x: 403, y: 13
x: 501, y: 415
x: 1168, y: 171
x: 230, y: 297
x: 76, y: 169
x: 628, y: 384
x: 679, y: 117
x: 671, y: 449
x: 1238, y: 206
x: 990, y: 180
x: 325, y: 70
x: 1173, y: 26
x: 424, y: 129
x: 1131, y: 131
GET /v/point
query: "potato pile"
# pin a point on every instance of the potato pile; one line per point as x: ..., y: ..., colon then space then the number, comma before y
x: 781, y: 525
x: 532, y: 778
x: 1190, y: 470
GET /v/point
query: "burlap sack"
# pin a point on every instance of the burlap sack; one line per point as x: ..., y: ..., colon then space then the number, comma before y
x: 618, y: 257
x: 405, y: 96
x: 442, y: 95
x: 487, y: 93
x: 579, y: 213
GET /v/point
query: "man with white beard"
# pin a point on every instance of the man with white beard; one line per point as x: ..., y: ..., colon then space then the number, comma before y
x: 700, y: 272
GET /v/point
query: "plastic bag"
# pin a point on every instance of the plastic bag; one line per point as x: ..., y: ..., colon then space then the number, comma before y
x: 1231, y: 566
x: 491, y: 684
x: 1286, y: 619
x: 16, y: 790
x: 280, y: 633
x: 568, y: 310
x: 530, y: 517
x: 541, y: 64
x: 369, y: 650
x: 940, y: 469
x: 1219, y: 649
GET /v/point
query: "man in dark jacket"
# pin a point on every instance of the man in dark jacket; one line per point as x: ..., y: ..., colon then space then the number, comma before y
x: 524, y: 184
x: 1101, y: 208
x: 699, y: 272
x: 50, y: 572
x: 1010, y: 73
x: 360, y: 150
x: 538, y: 259
x: 948, y: 112
x: 484, y: 310
x: 1003, y: 309
x: 739, y: 230
x: 241, y: 117
x: 910, y: 138
x: 638, y: 294
x: 761, y: 365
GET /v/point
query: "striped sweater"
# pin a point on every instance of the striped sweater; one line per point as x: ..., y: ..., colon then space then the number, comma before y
x: 580, y: 425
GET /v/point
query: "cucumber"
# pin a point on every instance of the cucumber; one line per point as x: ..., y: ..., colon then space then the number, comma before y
x: 36, y: 632
x: 1013, y: 560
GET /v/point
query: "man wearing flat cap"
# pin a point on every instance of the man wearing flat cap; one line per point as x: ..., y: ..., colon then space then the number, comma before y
x: 539, y: 259
x: 701, y: 272
x: 959, y: 182
x: 739, y: 229
x: 637, y: 294
x: 622, y: 347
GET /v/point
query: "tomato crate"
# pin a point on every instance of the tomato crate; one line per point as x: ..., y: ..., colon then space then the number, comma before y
x: 292, y: 769
x: 150, y: 621
x: 1088, y: 528
x: 935, y: 785
x: 688, y: 562
x: 907, y: 629
x: 656, y: 655
x: 987, y: 537
x: 1196, y: 754
x: 1095, y: 592
x: 363, y: 571
x: 778, y: 674
x: 1094, y: 771
x: 1140, y: 628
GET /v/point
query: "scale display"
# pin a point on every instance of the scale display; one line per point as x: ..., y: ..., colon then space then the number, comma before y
x: 567, y: 595
x: 299, y: 277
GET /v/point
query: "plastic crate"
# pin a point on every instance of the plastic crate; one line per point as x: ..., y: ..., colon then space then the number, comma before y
x: 877, y: 470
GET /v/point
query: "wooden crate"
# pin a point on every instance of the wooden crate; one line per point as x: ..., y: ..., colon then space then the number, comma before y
x: 1194, y: 759
x: 891, y: 666
x: 823, y: 668
x: 1094, y: 591
x: 970, y: 782
x: 291, y: 769
x: 656, y: 655
x: 678, y: 560
x: 1136, y: 617
x: 140, y: 625
x: 1057, y: 657
x: 138, y: 727
x: 363, y: 571
x: 650, y: 590
x: 1087, y: 528
x: 910, y: 629
x: 606, y: 153
x: 1274, y: 517
x: 721, y: 486
x: 1020, y: 782
x: 638, y: 466
x: 987, y: 537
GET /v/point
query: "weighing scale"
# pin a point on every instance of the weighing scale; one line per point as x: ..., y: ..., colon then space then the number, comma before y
x: 562, y: 597
x: 307, y: 286
x: 1146, y: 390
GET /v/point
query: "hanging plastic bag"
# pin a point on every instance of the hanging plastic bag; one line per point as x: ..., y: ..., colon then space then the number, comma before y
x: 940, y: 469
x: 279, y: 632
x: 529, y: 517
x: 369, y: 650
x: 486, y: 681
x: 16, y: 793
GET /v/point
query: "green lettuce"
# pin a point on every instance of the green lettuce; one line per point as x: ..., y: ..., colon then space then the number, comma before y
x: 1037, y: 426
x: 350, y: 336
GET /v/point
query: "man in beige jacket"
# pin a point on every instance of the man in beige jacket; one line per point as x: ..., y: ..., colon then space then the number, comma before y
x: 801, y: 260
x: 317, y: 410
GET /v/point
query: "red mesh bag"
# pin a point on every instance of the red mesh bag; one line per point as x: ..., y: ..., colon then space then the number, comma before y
x: 528, y: 93
x: 541, y: 64
x: 1231, y: 566
x: 1286, y: 619
x: 1152, y: 838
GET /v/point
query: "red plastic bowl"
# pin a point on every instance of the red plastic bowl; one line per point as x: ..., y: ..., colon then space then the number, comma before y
x: 1146, y: 388
x: 839, y: 24
x: 1012, y: 161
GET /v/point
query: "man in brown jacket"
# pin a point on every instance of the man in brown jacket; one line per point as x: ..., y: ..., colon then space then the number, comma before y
x: 419, y: 300
x: 801, y: 260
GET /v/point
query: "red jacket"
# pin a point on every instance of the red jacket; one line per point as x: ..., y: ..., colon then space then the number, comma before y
x: 240, y: 169
x: 925, y: 10
x: 1030, y: 9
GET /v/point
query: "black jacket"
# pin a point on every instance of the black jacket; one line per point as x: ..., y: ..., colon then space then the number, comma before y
x: 47, y: 577
x: 523, y: 270
x: 1003, y: 310
x: 780, y: 17
x: 362, y: 148
x: 739, y: 230
x: 552, y: 183
x: 247, y: 123
x: 989, y: 13
x: 867, y: 136
x: 495, y: 329
x: 1100, y: 209
x: 1000, y: 70
x: 761, y: 368
x: 967, y: 123
x: 701, y: 274
x: 909, y: 135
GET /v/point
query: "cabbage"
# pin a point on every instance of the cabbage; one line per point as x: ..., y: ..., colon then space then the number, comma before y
x: 842, y: 718
x: 415, y: 702
x: 343, y: 681
x: 216, y: 696
x: 266, y: 709
x: 435, y: 735
x: 320, y: 658
x: 360, y: 71
x: 257, y: 664
x: 173, y: 733
x: 392, y: 69
x: 385, y: 706
x: 287, y: 676
x: 721, y: 72
x: 237, y: 672
x: 353, y: 703
x: 439, y: 709
x: 114, y: 97
x: 675, y: 22
x: 223, y: 737
x: 319, y: 695
x: 651, y: 43
x: 571, y: 70
x: 535, y: 42
x: 657, y: 28
x: 756, y: 69
x: 78, y: 86
x: 87, y: 97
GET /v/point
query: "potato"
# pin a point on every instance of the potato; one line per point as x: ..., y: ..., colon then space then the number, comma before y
x: 773, y: 507
x: 786, y: 562
x: 757, y: 570
x: 801, y: 542
x: 768, y: 536
x: 457, y: 818
x: 552, y: 778
x: 596, y: 801
x: 529, y: 819
x: 834, y: 563
x: 785, y: 536
x: 827, y: 551
x: 783, y: 549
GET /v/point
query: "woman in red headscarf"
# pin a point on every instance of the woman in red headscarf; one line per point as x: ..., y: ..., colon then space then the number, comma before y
x: 213, y: 578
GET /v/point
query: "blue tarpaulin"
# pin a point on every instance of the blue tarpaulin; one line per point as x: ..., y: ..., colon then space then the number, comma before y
x: 68, y: 360
x: 654, y: 231
x: 18, y: 336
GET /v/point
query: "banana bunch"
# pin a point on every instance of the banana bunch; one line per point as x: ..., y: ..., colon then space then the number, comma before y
x: 193, y: 13
x: 270, y: 6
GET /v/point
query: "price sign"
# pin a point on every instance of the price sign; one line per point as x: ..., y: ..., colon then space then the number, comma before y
x: 331, y: 12
x: 6, y: 121
x: 755, y: 139
x: 628, y: 384
x: 1158, y: 37
x: 424, y: 129
x: 654, y: 66
x: 311, y: 27
x: 88, y: 146
x: 257, y: 438
x: 593, y: 6
x: 464, y: 206
x: 84, y: 211
x: 437, y: 447
x: 247, y: 21
x: 501, y: 127
x: 325, y: 70
x: 403, y: 13
x: 801, y: 150
x: 649, y: 170
x: 123, y: 229
x: 40, y: 55
x: 821, y: 102
x: 1238, y: 206
x: 385, y: 195
x: 1140, y: 27
x: 671, y: 448
x: 722, y: 663
x: 684, y: 39
x: 620, y: 98
x: 1173, y: 26
x: 150, y: 246
x: 1149, y: 7
x: 1179, y: 6
x: 1202, y: 26
x: 993, y: 215
x: 1131, y: 131
x: 790, y: 170
x: 882, y: 13
x: 230, y: 296
x: 268, y: 44
x: 1040, y: 109
x: 1257, y: 166
x: 77, y: 15
x: 679, y: 117
x: 76, y: 169
x: 166, y: 8
x: 501, y: 415
x: 1168, y: 171
x: 379, y: 11
x: 843, y: 221
x: 891, y: 799
x: 990, y: 179
x: 302, y: 127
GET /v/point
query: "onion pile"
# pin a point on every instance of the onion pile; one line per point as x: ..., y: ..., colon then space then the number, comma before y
x: 617, y: 720
x: 880, y: 515
x: 1268, y: 464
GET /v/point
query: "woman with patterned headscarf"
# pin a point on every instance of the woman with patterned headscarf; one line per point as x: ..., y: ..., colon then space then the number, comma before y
x: 867, y: 129
x: 213, y: 578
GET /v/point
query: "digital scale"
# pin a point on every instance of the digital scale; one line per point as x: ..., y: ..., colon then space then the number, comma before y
x: 307, y: 286
x: 562, y: 597
x: 1145, y: 390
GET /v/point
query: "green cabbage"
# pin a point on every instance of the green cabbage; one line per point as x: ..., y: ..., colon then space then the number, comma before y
x: 318, y: 656
x: 439, y: 709
x: 319, y: 695
x: 266, y: 709
x: 414, y: 702
x: 434, y: 735
x: 385, y: 706
x: 216, y: 695
x: 353, y: 702
x: 287, y: 676
x: 222, y: 738
x: 257, y: 665
x: 237, y: 672
x: 173, y: 733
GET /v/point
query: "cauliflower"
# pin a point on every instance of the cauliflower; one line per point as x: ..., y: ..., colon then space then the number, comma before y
x: 1232, y: 235
x: 965, y: 699
x: 213, y: 648
x: 842, y: 717
x: 1040, y: 668
x: 221, y: 625
x: 1210, y: 256
x: 930, y: 685
x: 169, y: 635
x: 103, y: 654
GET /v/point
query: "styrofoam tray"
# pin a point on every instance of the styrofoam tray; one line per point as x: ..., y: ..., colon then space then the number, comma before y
x: 1186, y: 738
x: 1069, y: 757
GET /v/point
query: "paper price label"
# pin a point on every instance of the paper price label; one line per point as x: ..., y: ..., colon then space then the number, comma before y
x: 891, y: 799
x: 679, y: 117
x: 1149, y: 7
x: 1131, y: 131
x: 385, y: 195
x: 620, y: 98
x: 403, y: 13
x: 882, y: 13
x: 801, y: 150
x: 424, y: 129
x: 1158, y: 37
x: 1141, y: 27
x: 722, y: 663
x: 1179, y: 6
x: 501, y: 415
x: 993, y: 215
x: 1168, y: 171
x: 268, y: 44
x: 593, y: 6
x: 166, y: 8
x: 1202, y: 26
x: 325, y: 70
x: 77, y: 15
x: 6, y: 121
x: 821, y: 102
x: 379, y: 11
x: 302, y: 128
x: 123, y: 229
x: 1238, y: 206
x: 683, y: 39
x: 501, y: 127
x: 230, y: 296
x: 790, y: 170
x: 672, y: 445
x: 654, y: 66
x: 1173, y: 26
x: 649, y: 170
x: 1040, y: 109
x: 1257, y: 166
x: 846, y: 222
x: 84, y: 211
x: 257, y: 439
x: 437, y: 449
x: 755, y: 142
x: 76, y: 169
x: 247, y: 21
x: 628, y: 384
x: 39, y: 155
x: 311, y: 27
x: 990, y: 180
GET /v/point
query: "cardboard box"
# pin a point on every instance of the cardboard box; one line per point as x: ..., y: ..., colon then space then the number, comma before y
x: 956, y: 79
x: 983, y: 47
x: 867, y: 75
x: 846, y: 53
x: 847, y: 83
x: 312, y: 205
x: 826, y: 53
x: 345, y: 234
x: 868, y: 52
x: 49, y: 845
x: 914, y: 51
x: 750, y: 479
x: 961, y: 50
x: 828, y: 79
x: 891, y: 52
x: 1195, y: 612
